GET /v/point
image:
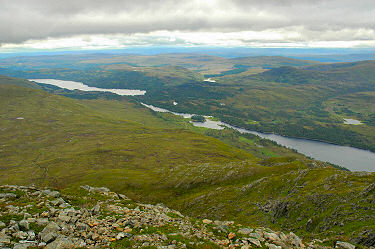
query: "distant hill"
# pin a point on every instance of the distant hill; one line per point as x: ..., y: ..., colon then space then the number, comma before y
x: 268, y: 62
x: 344, y: 66
x: 358, y: 76
x: 335, y: 58
x: 205, y: 64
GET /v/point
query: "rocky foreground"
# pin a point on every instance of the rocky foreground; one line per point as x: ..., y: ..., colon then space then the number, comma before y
x: 98, y: 218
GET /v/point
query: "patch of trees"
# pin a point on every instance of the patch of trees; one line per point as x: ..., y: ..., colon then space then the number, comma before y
x: 198, y: 118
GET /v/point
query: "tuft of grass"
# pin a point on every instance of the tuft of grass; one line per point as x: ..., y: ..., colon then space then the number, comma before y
x: 6, y: 218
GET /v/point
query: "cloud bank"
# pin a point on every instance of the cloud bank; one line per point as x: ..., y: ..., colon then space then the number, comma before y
x: 116, y: 23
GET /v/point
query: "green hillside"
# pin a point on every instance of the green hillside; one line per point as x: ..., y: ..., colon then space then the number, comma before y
x: 5, y: 80
x: 55, y: 134
x: 59, y: 142
x: 347, y: 77
x: 299, y: 102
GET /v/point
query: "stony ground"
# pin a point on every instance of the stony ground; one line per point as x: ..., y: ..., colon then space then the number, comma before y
x: 98, y: 218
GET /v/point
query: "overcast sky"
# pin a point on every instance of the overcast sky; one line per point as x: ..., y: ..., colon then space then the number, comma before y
x: 51, y: 24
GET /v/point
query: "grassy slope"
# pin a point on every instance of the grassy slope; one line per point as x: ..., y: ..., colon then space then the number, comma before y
x: 57, y: 132
x: 5, y: 80
x: 64, y: 143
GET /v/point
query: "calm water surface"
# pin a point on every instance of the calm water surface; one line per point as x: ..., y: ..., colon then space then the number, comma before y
x: 73, y: 85
x: 352, y: 158
x: 352, y: 121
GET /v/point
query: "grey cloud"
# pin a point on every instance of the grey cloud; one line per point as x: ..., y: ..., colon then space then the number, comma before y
x: 22, y: 20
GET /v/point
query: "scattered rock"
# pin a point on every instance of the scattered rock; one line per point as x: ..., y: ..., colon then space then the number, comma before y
x: 295, y: 240
x: 231, y: 235
x: 121, y: 235
x: 94, y: 189
x: 20, y: 246
x: 24, y: 224
x: 58, y: 202
x: 257, y: 236
x: 344, y: 245
x: 50, y: 193
x: 49, y: 233
x: 96, y: 209
x: 271, y: 236
x: 272, y: 246
x: 254, y: 241
x: 207, y: 221
x: 31, y: 236
x: 5, y: 239
x: 81, y: 226
x: 61, y: 243
x: 20, y: 235
x: 64, y: 218
x: 48, y: 237
x: 42, y: 222
x: 245, y: 231
x: 7, y: 195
